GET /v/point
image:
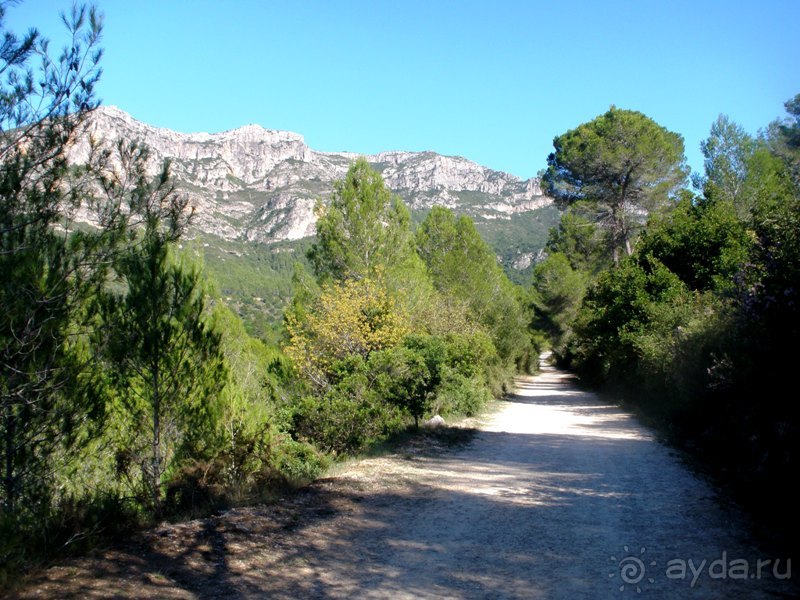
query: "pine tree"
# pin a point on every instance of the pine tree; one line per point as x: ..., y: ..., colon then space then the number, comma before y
x: 165, y: 352
x: 364, y: 228
x: 619, y: 167
x: 49, y: 270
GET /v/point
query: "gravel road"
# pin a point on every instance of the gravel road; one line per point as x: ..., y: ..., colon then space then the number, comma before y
x: 559, y: 495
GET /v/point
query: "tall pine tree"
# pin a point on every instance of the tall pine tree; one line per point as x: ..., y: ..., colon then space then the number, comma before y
x: 166, y: 354
x: 49, y: 269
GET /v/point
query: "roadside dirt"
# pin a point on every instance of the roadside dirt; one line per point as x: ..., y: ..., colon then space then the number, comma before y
x: 557, y: 496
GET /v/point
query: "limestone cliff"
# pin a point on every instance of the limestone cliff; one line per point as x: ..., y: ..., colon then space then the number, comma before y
x: 256, y: 184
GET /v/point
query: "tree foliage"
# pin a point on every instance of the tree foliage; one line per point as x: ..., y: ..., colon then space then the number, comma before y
x: 354, y: 317
x: 784, y: 138
x: 558, y: 290
x: 165, y: 355
x: 702, y: 241
x: 620, y: 166
x: 459, y: 260
x: 727, y: 153
x: 392, y: 330
x: 364, y: 227
x: 581, y: 241
x: 698, y: 327
x: 464, y: 267
x: 48, y: 275
x: 105, y: 334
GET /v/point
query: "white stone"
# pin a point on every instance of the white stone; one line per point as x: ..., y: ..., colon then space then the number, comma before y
x: 258, y: 184
x: 434, y: 422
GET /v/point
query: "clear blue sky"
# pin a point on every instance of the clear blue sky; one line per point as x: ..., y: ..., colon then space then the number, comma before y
x: 491, y: 81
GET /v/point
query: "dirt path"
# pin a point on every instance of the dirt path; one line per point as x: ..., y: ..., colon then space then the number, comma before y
x: 558, y: 496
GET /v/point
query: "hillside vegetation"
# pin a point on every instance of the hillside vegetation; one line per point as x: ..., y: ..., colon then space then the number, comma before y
x: 138, y: 383
x: 691, y: 308
x: 130, y: 389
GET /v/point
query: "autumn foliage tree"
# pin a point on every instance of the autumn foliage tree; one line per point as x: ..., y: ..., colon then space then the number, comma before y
x: 353, y: 317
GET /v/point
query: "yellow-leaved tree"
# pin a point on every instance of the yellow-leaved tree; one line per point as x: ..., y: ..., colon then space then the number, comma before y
x: 352, y: 317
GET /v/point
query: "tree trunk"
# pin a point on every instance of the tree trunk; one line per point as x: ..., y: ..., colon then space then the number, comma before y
x: 617, y: 233
x: 8, y: 475
x: 156, y: 469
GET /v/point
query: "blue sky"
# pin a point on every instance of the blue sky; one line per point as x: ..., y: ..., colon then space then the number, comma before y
x: 491, y: 81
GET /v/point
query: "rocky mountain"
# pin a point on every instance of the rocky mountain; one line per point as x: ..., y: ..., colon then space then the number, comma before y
x: 258, y: 185
x: 254, y: 191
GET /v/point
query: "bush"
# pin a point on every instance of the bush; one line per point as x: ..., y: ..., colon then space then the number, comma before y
x: 299, y: 463
x: 340, y: 423
x: 465, y: 370
x: 370, y: 398
x: 620, y: 307
x: 701, y: 241
x: 349, y: 416
x: 460, y: 395
x: 403, y: 379
x: 351, y: 318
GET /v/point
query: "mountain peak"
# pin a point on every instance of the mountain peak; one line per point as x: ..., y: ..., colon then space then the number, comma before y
x: 258, y: 184
x: 252, y: 131
x: 255, y: 132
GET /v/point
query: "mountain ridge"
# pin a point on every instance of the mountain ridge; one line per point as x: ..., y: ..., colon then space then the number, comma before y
x: 256, y: 184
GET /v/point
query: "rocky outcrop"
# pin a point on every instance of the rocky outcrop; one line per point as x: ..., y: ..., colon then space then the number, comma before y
x: 256, y: 184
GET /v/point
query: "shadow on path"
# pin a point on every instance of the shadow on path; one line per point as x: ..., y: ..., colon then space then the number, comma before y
x: 554, y: 498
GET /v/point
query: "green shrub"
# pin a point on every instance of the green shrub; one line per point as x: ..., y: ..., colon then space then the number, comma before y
x: 623, y: 305
x: 470, y: 354
x: 702, y: 242
x: 350, y: 415
x: 460, y: 395
x: 340, y: 423
x: 403, y: 379
x: 298, y: 463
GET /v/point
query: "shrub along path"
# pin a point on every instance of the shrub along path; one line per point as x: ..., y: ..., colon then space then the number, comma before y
x: 559, y: 495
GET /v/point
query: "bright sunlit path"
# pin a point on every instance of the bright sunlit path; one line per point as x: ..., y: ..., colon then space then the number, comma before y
x: 558, y: 496
x: 550, y: 404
